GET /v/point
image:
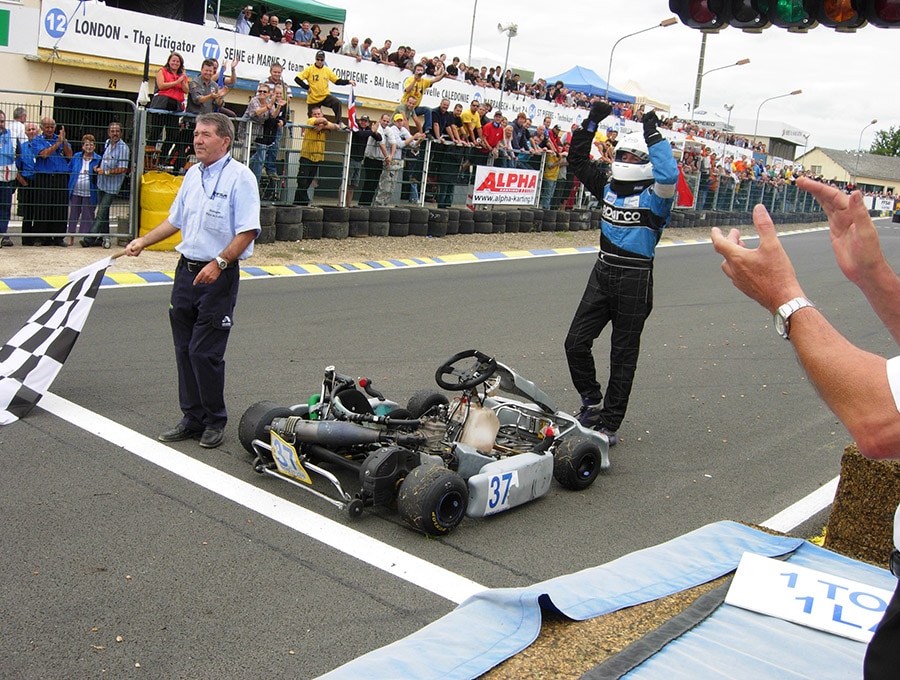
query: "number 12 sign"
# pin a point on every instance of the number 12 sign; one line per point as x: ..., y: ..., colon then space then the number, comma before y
x: 809, y: 597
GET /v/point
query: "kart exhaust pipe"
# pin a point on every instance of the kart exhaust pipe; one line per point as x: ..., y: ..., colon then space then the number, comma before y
x: 326, y: 432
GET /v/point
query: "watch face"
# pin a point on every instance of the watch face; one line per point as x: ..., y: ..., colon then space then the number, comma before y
x: 779, y: 325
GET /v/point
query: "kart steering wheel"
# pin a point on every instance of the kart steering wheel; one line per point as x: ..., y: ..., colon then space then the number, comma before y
x: 477, y: 373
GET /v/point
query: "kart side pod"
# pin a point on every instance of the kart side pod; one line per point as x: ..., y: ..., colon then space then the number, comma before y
x: 506, y: 483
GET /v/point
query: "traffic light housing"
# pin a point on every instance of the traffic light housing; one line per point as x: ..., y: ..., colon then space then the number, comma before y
x: 753, y: 16
x: 884, y: 13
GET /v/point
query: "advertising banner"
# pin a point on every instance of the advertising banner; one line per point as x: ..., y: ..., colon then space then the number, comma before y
x: 505, y: 186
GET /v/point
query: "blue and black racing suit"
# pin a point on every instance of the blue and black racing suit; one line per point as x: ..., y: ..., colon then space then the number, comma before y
x: 620, y: 287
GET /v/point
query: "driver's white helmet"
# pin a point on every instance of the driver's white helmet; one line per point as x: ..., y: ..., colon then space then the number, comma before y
x: 629, y: 171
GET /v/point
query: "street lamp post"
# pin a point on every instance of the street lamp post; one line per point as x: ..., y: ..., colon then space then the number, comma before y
x: 701, y: 76
x: 728, y: 107
x: 511, y: 30
x: 778, y: 96
x: 472, y: 34
x: 859, y: 149
x: 662, y: 24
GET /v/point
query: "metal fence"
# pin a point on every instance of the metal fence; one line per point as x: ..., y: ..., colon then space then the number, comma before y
x: 45, y: 206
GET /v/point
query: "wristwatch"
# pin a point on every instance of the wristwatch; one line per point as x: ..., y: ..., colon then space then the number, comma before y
x: 223, y: 264
x: 783, y: 314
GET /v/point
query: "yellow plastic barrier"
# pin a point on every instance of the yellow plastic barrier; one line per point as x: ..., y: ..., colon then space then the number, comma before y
x: 158, y: 190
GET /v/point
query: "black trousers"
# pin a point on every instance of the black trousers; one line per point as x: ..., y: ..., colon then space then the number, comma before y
x: 371, y: 172
x: 622, y: 296
x: 883, y: 653
x: 306, y: 173
x: 201, y: 317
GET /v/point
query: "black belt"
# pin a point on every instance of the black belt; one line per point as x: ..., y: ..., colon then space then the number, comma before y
x: 194, y: 266
x: 628, y: 262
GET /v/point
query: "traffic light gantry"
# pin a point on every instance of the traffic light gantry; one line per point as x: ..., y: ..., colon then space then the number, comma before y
x: 753, y: 16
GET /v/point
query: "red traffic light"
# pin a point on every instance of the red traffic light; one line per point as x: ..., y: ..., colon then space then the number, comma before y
x: 794, y: 15
x: 884, y: 13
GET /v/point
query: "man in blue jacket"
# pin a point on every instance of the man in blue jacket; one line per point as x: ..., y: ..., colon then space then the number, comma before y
x: 7, y: 178
x: 636, y: 204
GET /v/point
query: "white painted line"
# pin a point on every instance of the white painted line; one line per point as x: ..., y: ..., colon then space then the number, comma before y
x: 802, y: 510
x: 417, y: 571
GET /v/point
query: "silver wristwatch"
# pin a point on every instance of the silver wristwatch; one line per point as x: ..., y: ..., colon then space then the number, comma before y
x: 783, y: 314
x: 222, y: 262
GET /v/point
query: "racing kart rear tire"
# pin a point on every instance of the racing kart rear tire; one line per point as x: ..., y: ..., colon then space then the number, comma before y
x: 423, y: 401
x: 576, y: 463
x: 255, y: 420
x: 433, y: 499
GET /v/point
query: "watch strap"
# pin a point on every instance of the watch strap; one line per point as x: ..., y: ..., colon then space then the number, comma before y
x: 788, y: 308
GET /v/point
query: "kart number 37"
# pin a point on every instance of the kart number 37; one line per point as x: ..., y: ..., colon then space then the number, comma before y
x: 498, y: 490
x: 286, y: 459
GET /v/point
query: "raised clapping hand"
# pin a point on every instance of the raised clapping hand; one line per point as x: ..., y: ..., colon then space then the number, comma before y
x: 853, y: 234
x: 764, y: 274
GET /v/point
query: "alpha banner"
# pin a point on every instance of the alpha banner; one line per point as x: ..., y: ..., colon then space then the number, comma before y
x: 505, y: 186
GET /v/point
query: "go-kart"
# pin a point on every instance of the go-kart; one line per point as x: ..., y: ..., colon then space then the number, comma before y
x: 437, y: 460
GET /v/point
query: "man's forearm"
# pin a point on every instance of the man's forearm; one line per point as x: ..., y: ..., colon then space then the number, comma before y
x: 852, y: 382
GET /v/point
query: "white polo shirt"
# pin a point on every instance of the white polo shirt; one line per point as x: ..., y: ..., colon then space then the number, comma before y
x: 215, y: 204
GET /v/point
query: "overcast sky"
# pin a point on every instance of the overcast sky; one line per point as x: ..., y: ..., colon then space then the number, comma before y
x: 847, y: 79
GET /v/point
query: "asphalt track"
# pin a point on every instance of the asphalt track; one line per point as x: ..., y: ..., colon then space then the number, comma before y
x: 121, y: 554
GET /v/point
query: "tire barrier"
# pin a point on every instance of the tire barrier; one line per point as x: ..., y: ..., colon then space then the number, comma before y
x: 438, y: 219
x: 288, y: 225
x: 498, y: 218
x: 579, y: 220
x: 526, y: 221
x: 466, y: 221
x: 335, y: 230
x: 418, y: 221
x: 267, y: 214
x: 379, y: 228
x: 453, y: 221
x: 312, y: 223
x: 399, y: 222
x: 548, y: 221
x: 483, y: 222
x: 513, y: 220
x: 562, y: 220
x: 288, y: 232
x: 359, y: 222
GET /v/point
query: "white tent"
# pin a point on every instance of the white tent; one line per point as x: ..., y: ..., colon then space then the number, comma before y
x: 641, y: 97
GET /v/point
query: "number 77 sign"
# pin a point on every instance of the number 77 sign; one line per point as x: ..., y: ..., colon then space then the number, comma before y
x: 809, y: 597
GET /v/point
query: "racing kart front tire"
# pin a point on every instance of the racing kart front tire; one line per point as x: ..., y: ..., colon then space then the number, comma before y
x: 433, y: 499
x: 576, y: 463
x: 423, y: 401
x: 255, y: 420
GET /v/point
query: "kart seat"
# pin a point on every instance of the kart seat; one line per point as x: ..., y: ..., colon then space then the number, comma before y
x: 355, y: 401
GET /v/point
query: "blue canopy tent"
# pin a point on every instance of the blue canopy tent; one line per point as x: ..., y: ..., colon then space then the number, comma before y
x: 585, y: 80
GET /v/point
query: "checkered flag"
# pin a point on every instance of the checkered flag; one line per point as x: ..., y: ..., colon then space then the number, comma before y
x: 31, y: 359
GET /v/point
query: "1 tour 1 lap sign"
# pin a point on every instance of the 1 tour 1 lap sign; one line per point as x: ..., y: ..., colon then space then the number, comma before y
x: 505, y: 186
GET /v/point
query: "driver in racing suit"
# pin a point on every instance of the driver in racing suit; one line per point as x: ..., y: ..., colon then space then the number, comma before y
x: 636, y: 204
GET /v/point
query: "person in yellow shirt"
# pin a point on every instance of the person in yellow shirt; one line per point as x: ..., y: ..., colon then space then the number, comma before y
x: 316, y: 79
x: 551, y: 175
x: 414, y: 87
x: 312, y: 152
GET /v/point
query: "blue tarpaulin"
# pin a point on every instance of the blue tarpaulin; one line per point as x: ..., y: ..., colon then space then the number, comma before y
x: 585, y: 80
x: 733, y: 643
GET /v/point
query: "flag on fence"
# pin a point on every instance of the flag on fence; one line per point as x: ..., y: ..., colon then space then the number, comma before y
x: 351, y: 109
x: 31, y: 359
x: 143, y: 97
x: 685, y: 195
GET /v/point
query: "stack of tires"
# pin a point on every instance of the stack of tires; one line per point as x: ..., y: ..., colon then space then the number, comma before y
x: 438, y: 218
x: 379, y: 221
x: 288, y: 222
x: 418, y: 221
x: 312, y: 222
x: 466, y: 221
x: 548, y: 220
x: 399, y: 222
x: 483, y: 222
x: 526, y: 221
x: 562, y: 220
x: 359, y: 222
x: 453, y: 220
x: 579, y: 220
x: 499, y: 220
x: 335, y: 222
x: 513, y: 220
x: 267, y: 214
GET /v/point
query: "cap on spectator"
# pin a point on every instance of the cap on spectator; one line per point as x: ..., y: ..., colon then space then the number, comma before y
x: 498, y: 113
x: 320, y: 54
x: 398, y: 116
x: 250, y: 7
x: 364, y: 118
x: 288, y: 21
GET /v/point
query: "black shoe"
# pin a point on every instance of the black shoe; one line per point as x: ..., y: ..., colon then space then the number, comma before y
x: 211, y: 438
x: 179, y: 433
x: 6, y: 242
